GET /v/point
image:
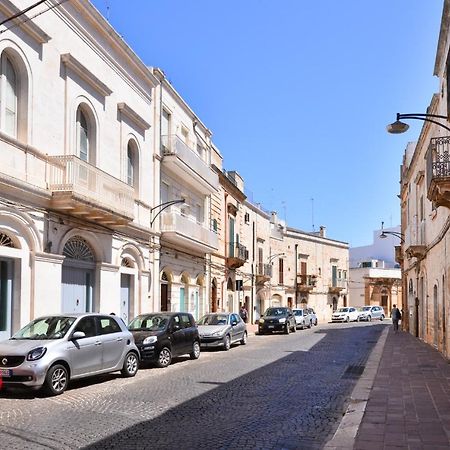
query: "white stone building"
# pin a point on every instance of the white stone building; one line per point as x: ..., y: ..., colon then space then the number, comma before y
x: 77, y: 166
x: 187, y: 180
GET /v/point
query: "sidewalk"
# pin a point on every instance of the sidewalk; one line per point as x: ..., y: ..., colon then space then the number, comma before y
x: 409, y: 403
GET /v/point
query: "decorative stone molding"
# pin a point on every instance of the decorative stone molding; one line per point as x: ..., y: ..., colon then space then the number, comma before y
x: 24, y: 22
x: 124, y: 109
x: 82, y: 71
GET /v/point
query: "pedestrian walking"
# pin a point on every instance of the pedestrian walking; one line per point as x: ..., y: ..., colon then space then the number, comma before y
x: 396, y: 315
x: 243, y: 313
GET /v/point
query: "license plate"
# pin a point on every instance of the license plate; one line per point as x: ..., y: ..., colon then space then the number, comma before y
x: 271, y: 326
x: 6, y: 373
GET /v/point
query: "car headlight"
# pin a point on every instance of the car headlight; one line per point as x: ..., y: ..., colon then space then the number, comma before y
x: 150, y: 340
x: 261, y: 320
x: 36, y: 353
x: 217, y: 333
x: 282, y: 320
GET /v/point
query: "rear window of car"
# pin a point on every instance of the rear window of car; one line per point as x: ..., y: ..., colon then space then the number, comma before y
x: 108, y: 325
x: 298, y: 312
x: 186, y: 321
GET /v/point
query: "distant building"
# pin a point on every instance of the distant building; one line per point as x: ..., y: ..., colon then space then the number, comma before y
x: 375, y: 276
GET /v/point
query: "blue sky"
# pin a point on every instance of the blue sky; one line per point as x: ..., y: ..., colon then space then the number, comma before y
x: 298, y: 94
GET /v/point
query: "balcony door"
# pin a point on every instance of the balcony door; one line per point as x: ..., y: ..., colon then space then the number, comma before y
x: 6, y: 286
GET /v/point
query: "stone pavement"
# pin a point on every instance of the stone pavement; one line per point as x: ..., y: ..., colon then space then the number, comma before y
x: 408, y: 405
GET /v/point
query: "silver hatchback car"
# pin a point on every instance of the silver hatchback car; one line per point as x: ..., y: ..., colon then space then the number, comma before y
x: 52, y: 350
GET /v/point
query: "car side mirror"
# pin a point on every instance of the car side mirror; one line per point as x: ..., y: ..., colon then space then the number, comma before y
x: 176, y: 327
x: 233, y: 323
x: 78, y: 335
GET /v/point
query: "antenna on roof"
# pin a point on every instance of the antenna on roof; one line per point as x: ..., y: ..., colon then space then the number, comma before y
x: 107, y: 10
x: 312, y: 213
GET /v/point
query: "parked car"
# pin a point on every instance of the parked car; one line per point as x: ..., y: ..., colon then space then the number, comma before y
x: 347, y: 314
x: 161, y: 336
x: 222, y: 330
x: 371, y: 312
x: 301, y: 318
x: 51, y: 351
x: 277, y: 319
x: 312, y: 316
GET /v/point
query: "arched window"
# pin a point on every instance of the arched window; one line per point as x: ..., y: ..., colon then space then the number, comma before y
x: 132, y: 165
x: 9, y: 92
x: 6, y: 241
x: 77, y: 248
x: 82, y: 135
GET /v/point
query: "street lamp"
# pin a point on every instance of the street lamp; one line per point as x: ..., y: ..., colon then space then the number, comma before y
x: 384, y: 234
x: 163, y: 206
x: 399, y: 127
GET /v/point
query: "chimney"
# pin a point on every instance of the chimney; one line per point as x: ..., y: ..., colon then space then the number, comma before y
x: 323, y: 231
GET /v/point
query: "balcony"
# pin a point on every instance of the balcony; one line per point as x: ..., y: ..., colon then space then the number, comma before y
x: 438, y: 171
x: 306, y: 283
x: 415, y: 242
x: 183, y: 231
x: 81, y: 189
x: 185, y: 163
x: 237, y: 256
x: 398, y: 254
x: 337, y: 285
x: 263, y: 272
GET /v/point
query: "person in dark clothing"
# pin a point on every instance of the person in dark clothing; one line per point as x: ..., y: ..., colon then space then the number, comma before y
x: 243, y: 313
x: 396, y: 315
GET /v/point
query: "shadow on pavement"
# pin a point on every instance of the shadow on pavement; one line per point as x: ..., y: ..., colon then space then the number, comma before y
x: 295, y: 402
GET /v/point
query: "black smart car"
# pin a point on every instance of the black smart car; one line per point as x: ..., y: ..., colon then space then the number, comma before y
x: 163, y: 335
x: 277, y: 318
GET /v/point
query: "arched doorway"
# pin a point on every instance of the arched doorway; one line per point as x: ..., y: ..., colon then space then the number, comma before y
x: 335, y: 303
x: 214, y: 295
x: 78, y: 276
x: 230, y: 296
x: 184, y: 293
x: 165, y: 285
x: 6, y: 288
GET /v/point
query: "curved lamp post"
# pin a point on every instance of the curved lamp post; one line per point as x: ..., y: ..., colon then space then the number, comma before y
x: 384, y: 234
x: 163, y: 206
x: 399, y: 127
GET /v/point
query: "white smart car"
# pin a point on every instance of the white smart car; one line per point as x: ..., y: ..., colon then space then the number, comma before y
x: 347, y: 314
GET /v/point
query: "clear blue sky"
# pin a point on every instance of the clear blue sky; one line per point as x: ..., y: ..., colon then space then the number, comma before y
x: 298, y: 94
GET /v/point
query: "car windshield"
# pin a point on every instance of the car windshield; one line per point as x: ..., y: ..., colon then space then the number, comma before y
x: 46, y: 328
x: 298, y: 312
x: 365, y: 308
x: 342, y: 310
x: 150, y: 322
x: 213, y: 319
x: 275, y: 312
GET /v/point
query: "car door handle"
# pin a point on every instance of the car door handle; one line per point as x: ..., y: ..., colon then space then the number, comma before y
x: 119, y: 339
x: 98, y: 343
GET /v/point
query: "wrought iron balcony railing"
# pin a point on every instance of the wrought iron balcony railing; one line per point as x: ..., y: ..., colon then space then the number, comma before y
x: 438, y: 171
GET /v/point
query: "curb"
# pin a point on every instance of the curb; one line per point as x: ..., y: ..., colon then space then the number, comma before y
x: 345, y: 435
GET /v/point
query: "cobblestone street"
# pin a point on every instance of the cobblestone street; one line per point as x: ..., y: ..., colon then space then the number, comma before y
x: 277, y: 392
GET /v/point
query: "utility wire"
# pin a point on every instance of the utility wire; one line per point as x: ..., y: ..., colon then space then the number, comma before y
x: 27, y: 19
x: 15, y: 16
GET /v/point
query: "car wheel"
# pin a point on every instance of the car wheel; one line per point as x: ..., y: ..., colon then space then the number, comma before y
x: 369, y: 318
x: 130, y: 365
x: 382, y: 317
x: 358, y: 319
x: 288, y: 329
x: 195, y: 354
x: 164, y: 357
x: 294, y: 328
x: 244, y: 338
x: 310, y: 324
x: 226, y: 343
x: 315, y: 323
x: 56, y: 380
x: 347, y: 319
